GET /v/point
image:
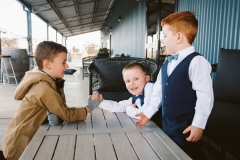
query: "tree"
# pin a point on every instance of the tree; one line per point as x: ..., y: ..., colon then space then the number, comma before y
x: 91, y: 48
x: 75, y: 50
x: 9, y: 42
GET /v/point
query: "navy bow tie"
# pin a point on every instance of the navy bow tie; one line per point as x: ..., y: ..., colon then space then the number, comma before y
x: 141, y: 97
x: 173, y: 57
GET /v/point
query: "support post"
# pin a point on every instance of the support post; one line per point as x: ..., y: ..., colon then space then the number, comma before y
x: 29, y: 27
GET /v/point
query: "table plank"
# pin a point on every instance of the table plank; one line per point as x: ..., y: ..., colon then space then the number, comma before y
x: 111, y: 119
x: 47, y: 148
x: 159, y: 146
x: 65, y: 148
x: 85, y: 147
x: 34, y: 144
x: 87, y: 123
x: 98, y: 119
x: 104, y: 147
x: 141, y: 146
x: 125, y: 120
x: 123, y: 147
x: 70, y: 126
x: 173, y: 147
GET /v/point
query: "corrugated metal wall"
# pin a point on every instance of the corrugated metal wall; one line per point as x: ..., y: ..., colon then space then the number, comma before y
x: 219, y: 25
x: 128, y: 36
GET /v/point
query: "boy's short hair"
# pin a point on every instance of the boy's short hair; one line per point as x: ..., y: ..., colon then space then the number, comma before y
x: 184, y: 22
x: 135, y: 65
x: 47, y: 50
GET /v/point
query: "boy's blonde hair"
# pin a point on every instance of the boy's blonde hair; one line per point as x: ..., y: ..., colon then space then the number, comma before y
x: 135, y: 65
x: 184, y: 22
x: 47, y: 50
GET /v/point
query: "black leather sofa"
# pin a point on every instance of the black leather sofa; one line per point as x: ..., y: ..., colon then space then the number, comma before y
x: 221, y: 138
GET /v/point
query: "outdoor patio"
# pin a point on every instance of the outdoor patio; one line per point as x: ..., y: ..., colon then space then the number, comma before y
x: 76, y: 92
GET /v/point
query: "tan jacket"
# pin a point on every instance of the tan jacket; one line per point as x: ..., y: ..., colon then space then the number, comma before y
x: 38, y: 94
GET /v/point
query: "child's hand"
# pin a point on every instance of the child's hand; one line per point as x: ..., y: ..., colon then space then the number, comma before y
x: 143, y: 120
x: 195, y: 133
x: 53, y: 119
x: 96, y: 96
x: 134, y: 105
x: 92, y: 104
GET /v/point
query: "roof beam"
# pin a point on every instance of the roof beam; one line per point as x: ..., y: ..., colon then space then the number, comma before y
x: 103, y: 11
x: 63, y: 6
x: 59, y: 14
x: 94, y: 10
x: 80, y: 19
x: 82, y: 24
x: 77, y: 12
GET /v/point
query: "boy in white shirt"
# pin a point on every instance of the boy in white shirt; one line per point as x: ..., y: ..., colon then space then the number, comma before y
x: 137, y: 83
x: 183, y: 87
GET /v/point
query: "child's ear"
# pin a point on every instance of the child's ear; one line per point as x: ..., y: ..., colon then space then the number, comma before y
x: 46, y: 64
x: 147, y: 78
x: 179, y: 37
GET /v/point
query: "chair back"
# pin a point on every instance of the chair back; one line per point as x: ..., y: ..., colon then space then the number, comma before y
x: 85, y: 63
x: 227, y: 85
x: 109, y: 74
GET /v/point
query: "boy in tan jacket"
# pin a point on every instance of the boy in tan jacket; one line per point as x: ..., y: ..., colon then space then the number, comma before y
x: 41, y: 92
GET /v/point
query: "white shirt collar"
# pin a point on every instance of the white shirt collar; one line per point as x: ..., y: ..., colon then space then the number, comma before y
x: 185, y: 52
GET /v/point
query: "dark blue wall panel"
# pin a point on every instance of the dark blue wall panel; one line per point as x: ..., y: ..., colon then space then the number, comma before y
x: 128, y: 36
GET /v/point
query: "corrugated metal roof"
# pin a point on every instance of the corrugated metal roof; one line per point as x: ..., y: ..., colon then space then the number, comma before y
x: 71, y: 17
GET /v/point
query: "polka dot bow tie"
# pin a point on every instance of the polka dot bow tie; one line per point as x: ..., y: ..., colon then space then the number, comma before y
x: 173, y: 57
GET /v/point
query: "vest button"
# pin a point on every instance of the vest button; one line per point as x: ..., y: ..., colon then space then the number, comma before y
x: 166, y: 83
x: 165, y: 95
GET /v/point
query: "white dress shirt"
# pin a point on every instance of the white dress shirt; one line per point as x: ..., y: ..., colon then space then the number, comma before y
x: 126, y: 105
x: 199, y: 74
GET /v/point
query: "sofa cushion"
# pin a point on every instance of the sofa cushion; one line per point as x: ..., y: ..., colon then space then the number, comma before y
x: 110, y: 74
x: 223, y: 126
x: 70, y: 71
x: 227, y: 85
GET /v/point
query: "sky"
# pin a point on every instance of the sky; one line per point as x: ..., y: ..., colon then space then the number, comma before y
x: 13, y: 21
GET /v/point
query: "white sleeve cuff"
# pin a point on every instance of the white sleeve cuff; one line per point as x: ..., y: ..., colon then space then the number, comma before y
x: 149, y: 112
x: 199, y: 121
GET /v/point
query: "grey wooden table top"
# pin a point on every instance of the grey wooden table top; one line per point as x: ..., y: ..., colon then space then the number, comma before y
x: 103, y: 136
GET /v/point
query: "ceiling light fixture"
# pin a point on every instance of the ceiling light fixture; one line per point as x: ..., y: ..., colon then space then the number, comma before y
x: 119, y: 18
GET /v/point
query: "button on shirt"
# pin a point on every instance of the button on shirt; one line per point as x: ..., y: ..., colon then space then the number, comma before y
x: 199, y: 74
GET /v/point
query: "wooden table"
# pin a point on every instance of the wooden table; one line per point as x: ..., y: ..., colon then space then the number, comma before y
x: 103, y: 136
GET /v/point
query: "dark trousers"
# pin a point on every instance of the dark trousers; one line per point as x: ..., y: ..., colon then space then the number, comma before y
x: 174, y: 129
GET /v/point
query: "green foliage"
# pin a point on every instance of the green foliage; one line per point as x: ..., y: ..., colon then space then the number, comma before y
x: 90, y: 48
x: 103, y: 51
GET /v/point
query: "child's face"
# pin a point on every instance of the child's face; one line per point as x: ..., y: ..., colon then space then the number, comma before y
x: 58, y: 66
x: 135, y: 80
x: 169, y: 40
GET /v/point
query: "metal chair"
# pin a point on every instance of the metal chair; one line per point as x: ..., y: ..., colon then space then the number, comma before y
x: 85, y: 63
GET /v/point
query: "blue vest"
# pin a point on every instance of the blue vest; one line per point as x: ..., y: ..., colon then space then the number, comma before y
x: 178, y: 97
